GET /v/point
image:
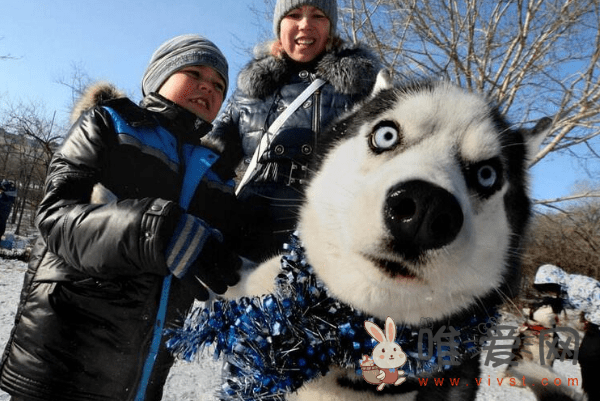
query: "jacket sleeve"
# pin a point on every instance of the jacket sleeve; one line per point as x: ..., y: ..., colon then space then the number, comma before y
x: 121, y: 238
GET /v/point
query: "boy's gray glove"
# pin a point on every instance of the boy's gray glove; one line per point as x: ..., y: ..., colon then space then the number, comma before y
x: 197, y: 255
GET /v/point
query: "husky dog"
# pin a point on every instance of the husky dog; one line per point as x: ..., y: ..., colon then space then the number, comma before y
x: 417, y: 208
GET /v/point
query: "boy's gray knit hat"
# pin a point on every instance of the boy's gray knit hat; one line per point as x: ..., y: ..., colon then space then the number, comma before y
x: 329, y: 8
x: 180, y: 52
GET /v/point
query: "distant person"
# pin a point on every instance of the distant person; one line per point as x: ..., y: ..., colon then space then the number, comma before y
x: 581, y: 293
x: 106, y: 278
x: 307, y: 61
x: 8, y: 193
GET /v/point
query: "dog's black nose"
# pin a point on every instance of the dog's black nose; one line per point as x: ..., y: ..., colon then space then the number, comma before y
x: 421, y: 216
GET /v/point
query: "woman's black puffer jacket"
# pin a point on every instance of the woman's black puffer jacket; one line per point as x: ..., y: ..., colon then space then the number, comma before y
x: 265, y: 87
x: 88, y: 310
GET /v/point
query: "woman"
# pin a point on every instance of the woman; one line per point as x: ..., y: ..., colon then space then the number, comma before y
x: 306, y: 49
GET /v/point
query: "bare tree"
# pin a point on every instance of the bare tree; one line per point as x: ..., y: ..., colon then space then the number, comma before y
x: 533, y: 57
x: 77, y: 81
x: 29, y: 147
x: 569, y: 238
x: 28, y: 139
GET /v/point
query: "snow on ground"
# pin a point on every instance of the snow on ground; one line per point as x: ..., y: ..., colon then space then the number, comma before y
x: 11, y: 278
x: 197, y: 381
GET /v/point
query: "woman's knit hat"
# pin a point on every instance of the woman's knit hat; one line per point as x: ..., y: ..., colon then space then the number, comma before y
x: 180, y: 52
x: 329, y: 8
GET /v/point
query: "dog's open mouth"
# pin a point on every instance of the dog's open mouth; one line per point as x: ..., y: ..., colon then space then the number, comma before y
x: 395, y: 269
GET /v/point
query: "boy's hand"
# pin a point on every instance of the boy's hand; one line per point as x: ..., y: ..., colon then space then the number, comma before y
x: 197, y: 256
x: 216, y: 268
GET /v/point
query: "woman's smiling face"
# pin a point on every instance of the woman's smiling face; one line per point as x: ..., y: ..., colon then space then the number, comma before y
x: 304, y: 33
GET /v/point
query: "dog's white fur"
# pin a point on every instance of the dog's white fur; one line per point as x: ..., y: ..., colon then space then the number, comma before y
x: 361, y: 190
x: 343, y: 230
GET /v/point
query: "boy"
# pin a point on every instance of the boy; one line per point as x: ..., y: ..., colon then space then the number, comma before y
x: 105, y: 279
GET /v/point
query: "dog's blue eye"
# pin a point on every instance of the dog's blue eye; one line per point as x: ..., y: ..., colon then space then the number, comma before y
x: 385, y: 137
x: 487, y: 176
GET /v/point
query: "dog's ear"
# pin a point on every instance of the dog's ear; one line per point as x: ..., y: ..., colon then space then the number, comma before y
x: 384, y: 81
x: 374, y: 331
x: 535, y: 136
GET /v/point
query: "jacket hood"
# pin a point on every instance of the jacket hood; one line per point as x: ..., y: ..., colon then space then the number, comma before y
x: 350, y: 69
x: 94, y: 95
x: 550, y: 274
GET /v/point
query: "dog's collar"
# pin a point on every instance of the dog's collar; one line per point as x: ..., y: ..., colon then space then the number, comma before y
x: 277, y: 342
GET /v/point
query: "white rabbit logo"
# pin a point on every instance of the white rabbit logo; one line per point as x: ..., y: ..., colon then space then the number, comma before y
x: 388, y: 356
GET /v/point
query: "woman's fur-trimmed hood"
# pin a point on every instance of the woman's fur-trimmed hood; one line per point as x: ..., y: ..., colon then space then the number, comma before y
x: 350, y: 69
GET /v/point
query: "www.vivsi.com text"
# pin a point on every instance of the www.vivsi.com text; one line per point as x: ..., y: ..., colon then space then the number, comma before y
x: 511, y: 381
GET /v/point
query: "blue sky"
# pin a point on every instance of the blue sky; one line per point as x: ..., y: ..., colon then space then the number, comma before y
x: 113, y: 40
x: 108, y: 39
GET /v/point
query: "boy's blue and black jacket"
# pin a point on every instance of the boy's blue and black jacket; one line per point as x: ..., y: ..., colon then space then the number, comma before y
x: 90, y: 304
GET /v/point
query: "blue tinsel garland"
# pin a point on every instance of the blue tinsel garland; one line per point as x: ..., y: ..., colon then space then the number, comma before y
x: 278, y: 342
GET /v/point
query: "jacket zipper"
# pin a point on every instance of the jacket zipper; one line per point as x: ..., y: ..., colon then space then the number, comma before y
x: 316, y: 117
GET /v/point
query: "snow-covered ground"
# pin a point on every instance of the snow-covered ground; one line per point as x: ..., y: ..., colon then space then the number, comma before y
x: 198, y: 381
